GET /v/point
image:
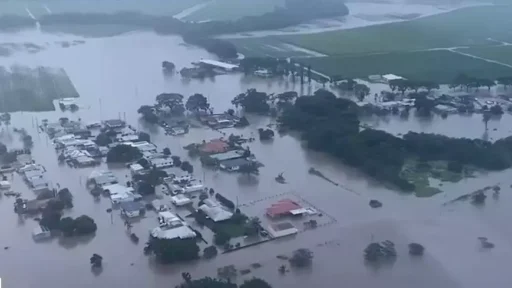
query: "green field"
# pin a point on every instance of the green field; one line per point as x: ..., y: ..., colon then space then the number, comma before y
x: 502, y: 54
x: 265, y: 47
x: 438, y: 66
x: 465, y: 27
x: 233, y: 9
x: 39, y: 8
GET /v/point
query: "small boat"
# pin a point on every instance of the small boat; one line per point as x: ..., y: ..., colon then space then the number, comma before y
x: 280, y: 178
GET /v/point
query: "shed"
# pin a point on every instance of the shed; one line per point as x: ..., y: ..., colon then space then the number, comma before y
x: 131, y: 209
x: 282, y: 229
x: 5, y: 185
x: 180, y: 200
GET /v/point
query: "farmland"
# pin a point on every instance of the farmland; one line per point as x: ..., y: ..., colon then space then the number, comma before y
x: 418, y: 49
x: 225, y: 10
x: 439, y: 66
x: 502, y: 54
x: 465, y: 27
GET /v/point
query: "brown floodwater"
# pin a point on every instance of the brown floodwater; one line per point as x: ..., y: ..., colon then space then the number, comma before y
x: 124, y: 72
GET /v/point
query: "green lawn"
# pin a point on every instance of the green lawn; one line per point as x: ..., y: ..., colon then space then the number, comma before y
x: 438, y: 66
x: 465, y: 27
x: 501, y: 54
x: 233, y: 9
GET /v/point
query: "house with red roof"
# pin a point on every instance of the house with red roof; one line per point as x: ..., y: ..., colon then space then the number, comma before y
x: 282, y: 208
x: 214, y: 146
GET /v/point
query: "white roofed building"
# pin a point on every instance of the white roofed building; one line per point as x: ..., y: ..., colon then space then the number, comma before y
x: 215, y: 211
x: 172, y: 227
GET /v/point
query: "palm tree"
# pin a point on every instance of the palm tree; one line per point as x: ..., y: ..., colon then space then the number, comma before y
x: 486, y: 117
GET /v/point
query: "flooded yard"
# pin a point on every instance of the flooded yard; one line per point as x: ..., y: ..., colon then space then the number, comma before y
x: 115, y: 76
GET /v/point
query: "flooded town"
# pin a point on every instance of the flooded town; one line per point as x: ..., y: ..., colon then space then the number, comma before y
x: 144, y: 157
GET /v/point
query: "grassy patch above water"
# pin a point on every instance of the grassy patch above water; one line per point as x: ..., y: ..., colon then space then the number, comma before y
x: 437, y: 66
x: 420, y: 173
x: 465, y: 27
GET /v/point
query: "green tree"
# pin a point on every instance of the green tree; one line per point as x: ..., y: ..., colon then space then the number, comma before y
x: 255, y: 283
x: 301, y: 258
x: 66, y: 197
x: 169, y: 251
x: 197, y: 102
x: 85, y: 225
x: 167, y: 151
x: 210, y: 252
x: 67, y: 226
x: 252, y: 101
x: 416, y: 249
x: 123, y: 153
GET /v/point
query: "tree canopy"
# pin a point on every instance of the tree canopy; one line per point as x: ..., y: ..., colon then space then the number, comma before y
x: 197, y: 102
x: 331, y: 125
x: 123, y: 153
x: 252, y: 101
x: 169, y: 251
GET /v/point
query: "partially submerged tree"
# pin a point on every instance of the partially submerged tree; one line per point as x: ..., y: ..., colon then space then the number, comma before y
x: 197, y: 102
x: 252, y: 101
x: 186, y: 166
x: 169, y: 251
x: 210, y: 252
x: 96, y: 261
x: 255, y: 283
x: 301, y: 258
x: 123, y: 153
x: 416, y: 249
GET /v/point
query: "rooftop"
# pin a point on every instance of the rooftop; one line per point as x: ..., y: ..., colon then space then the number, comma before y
x: 215, y: 211
x: 131, y: 206
x: 282, y: 226
x: 117, y: 189
x: 215, y: 146
x: 235, y: 162
x: 228, y: 155
x: 282, y: 207
x: 114, y: 123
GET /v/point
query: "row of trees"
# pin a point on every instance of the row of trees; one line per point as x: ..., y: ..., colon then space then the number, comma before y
x: 208, y: 282
x: 171, y: 104
x: 464, y: 81
x: 331, y: 125
x: 403, y: 85
x: 254, y: 101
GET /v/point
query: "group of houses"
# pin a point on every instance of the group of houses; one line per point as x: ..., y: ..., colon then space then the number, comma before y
x: 227, y: 158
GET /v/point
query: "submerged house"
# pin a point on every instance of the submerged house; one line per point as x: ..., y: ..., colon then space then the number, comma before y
x: 131, y: 209
x: 215, y: 211
x: 172, y: 227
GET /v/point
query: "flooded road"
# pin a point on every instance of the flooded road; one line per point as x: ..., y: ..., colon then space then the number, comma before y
x: 125, y: 73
